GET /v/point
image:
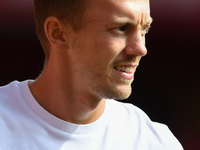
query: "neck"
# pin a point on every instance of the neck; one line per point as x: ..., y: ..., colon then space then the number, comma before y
x: 56, y: 93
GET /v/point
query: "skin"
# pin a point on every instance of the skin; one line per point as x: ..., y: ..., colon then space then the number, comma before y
x: 81, y: 72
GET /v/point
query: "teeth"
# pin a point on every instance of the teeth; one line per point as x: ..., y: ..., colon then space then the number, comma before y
x: 119, y: 68
x: 127, y: 69
x: 124, y: 68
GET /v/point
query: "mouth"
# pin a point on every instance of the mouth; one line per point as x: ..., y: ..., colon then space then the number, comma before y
x: 126, y: 72
x: 125, y: 69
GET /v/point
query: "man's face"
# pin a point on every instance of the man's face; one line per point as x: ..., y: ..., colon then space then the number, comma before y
x: 107, y: 51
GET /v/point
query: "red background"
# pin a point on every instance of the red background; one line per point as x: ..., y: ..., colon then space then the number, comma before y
x: 167, y: 83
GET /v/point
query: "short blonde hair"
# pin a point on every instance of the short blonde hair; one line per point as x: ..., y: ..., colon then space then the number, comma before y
x: 69, y: 11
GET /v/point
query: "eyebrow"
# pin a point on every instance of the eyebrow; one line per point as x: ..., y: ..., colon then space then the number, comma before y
x: 131, y: 21
x: 148, y: 22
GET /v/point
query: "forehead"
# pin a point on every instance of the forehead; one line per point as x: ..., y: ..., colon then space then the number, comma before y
x: 135, y: 9
x: 142, y: 4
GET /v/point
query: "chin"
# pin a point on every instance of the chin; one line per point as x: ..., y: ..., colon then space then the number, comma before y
x: 123, y: 92
x: 123, y: 96
x: 118, y: 94
x: 112, y: 91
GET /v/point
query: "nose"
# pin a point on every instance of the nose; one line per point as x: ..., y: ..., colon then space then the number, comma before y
x: 136, y: 44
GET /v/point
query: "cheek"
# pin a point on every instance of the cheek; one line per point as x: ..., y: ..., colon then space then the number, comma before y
x: 99, y: 52
x: 110, y: 48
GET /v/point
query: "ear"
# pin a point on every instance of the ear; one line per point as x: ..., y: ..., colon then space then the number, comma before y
x: 55, y: 33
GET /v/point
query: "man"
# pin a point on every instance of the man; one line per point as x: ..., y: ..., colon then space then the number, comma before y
x: 92, y: 48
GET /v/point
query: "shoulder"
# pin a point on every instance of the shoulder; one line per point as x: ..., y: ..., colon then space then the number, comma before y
x: 11, y: 98
x: 141, y: 128
x: 8, y: 91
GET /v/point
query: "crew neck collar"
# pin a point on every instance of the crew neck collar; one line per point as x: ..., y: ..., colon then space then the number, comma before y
x: 56, y: 122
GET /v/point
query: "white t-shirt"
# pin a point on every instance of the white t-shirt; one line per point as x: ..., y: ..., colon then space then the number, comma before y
x: 25, y: 125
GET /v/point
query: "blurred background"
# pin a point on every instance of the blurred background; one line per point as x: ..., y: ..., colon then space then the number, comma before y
x: 167, y: 82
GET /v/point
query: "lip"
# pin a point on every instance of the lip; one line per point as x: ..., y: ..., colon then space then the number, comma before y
x: 128, y: 76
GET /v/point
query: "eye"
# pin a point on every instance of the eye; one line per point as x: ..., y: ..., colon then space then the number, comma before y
x: 146, y: 28
x: 122, y: 28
